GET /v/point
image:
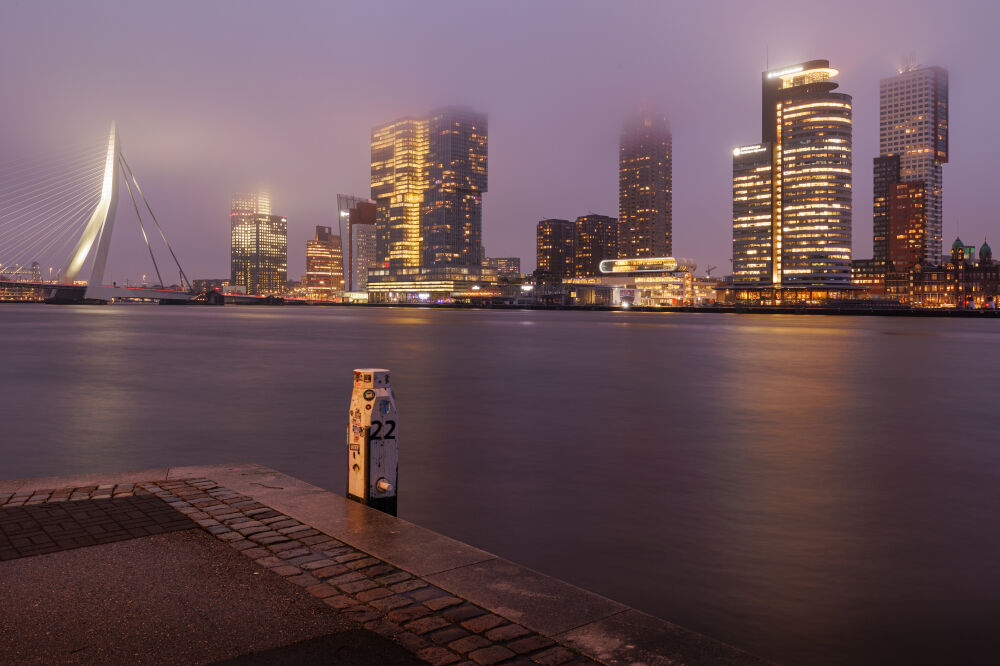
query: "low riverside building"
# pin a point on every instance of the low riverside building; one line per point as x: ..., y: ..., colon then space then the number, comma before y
x: 421, y: 284
x: 964, y: 282
x: 652, y: 282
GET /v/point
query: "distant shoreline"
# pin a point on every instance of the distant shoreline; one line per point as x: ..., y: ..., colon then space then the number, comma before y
x: 705, y: 309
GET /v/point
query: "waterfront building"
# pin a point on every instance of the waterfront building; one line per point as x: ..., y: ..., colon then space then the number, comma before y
x: 963, y: 282
x: 452, y: 214
x: 554, y: 249
x: 259, y: 245
x: 907, y: 227
x: 398, y: 183
x: 595, y: 238
x: 798, y: 235
x: 428, y: 177
x: 650, y: 282
x: 358, y: 242
x: 506, y: 267
x: 913, y: 126
x: 324, y: 265
x: 645, y: 186
x: 753, y: 246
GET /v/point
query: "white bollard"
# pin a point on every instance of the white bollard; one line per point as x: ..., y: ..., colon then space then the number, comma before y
x: 372, y: 436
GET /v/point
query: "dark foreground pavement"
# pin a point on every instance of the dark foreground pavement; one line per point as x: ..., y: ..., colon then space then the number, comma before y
x: 244, y: 565
x: 177, y: 598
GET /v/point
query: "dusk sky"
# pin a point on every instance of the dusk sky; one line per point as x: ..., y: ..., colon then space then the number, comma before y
x: 214, y: 97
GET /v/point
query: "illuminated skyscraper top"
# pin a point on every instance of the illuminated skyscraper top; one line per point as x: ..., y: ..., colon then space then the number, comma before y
x: 792, y: 191
x: 645, y: 186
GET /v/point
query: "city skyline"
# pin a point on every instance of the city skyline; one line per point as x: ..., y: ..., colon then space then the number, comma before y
x: 193, y: 160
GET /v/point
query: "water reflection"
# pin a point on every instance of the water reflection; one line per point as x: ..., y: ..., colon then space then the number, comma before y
x: 815, y: 489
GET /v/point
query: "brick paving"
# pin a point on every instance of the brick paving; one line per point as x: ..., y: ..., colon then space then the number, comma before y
x: 48, y: 521
x: 436, y: 626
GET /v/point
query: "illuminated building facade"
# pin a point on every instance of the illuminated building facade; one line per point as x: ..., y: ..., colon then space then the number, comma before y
x: 913, y: 126
x: 428, y: 177
x: 259, y: 245
x: 907, y: 225
x: 963, y: 282
x: 595, y: 238
x: 398, y: 183
x: 645, y: 186
x: 506, y: 267
x: 752, y: 214
x: 651, y: 282
x: 807, y: 129
x: 452, y: 214
x: 554, y: 250
x: 357, y: 235
x: 324, y: 265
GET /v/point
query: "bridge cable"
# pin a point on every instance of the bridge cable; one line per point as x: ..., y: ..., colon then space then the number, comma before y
x: 159, y: 228
x: 142, y: 227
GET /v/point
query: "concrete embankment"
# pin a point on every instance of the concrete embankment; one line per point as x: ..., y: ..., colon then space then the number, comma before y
x: 242, y: 564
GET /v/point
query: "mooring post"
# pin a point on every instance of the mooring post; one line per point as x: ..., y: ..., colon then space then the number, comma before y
x: 372, y: 436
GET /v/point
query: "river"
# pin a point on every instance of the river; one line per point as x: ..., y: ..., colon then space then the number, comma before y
x: 817, y: 490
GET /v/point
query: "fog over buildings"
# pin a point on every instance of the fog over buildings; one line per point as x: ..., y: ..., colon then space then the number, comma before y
x: 216, y: 98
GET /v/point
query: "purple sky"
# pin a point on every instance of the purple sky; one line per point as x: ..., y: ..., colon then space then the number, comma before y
x: 213, y: 97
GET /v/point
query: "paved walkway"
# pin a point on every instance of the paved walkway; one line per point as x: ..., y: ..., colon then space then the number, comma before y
x: 441, y: 601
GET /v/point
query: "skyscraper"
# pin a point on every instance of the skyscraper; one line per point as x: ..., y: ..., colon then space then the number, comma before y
x: 806, y: 133
x: 452, y: 213
x: 259, y: 245
x: 324, y: 265
x: 357, y: 236
x: 428, y: 176
x: 554, y: 251
x: 645, y: 186
x: 398, y: 181
x: 595, y: 238
x: 752, y: 223
x: 913, y: 125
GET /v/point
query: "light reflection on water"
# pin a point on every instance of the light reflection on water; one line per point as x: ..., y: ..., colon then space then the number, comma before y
x: 814, y: 489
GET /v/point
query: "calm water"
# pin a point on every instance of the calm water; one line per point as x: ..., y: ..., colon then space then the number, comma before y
x: 813, y: 489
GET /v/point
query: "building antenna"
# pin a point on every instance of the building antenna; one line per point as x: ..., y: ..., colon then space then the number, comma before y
x: 767, y: 57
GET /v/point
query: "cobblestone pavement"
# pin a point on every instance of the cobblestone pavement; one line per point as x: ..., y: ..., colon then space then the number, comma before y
x: 47, y: 521
x: 431, y: 623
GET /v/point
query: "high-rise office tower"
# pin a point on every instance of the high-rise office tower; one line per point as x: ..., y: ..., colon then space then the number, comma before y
x: 752, y: 224
x: 595, y: 238
x: 452, y: 214
x: 259, y: 245
x: 554, y: 251
x: 398, y: 182
x: 357, y: 236
x: 645, y: 186
x: 324, y: 269
x: 428, y: 176
x: 806, y: 131
x: 913, y: 126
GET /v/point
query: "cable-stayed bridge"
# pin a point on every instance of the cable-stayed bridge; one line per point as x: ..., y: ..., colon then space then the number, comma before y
x: 62, y: 212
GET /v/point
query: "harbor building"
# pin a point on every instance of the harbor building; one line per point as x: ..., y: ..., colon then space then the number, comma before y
x: 645, y: 185
x: 259, y: 245
x: 554, y: 249
x: 324, y: 270
x: 792, y: 190
x: 595, y: 238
